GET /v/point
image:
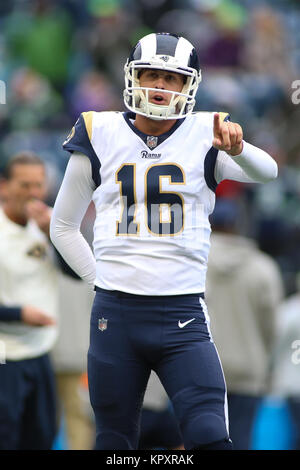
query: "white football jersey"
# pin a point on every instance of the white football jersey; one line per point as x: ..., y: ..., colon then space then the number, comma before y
x: 153, y: 197
x: 28, y: 276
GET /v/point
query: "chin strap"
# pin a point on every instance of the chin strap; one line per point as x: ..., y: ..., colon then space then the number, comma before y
x: 155, y: 111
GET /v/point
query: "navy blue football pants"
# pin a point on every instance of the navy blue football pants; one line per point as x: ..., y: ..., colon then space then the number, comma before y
x: 143, y: 333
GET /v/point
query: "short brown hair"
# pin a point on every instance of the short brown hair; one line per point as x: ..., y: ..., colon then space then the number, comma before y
x: 21, y: 158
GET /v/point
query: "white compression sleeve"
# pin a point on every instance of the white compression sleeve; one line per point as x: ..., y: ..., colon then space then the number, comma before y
x: 72, y: 201
x: 252, y: 166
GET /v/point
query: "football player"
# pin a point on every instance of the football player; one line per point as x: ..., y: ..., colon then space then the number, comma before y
x: 152, y: 173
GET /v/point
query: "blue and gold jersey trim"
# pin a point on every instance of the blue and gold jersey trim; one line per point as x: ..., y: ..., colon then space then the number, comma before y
x: 79, y: 140
x: 159, y: 139
x: 211, y: 159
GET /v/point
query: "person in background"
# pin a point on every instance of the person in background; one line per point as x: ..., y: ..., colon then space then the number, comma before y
x: 28, y: 308
x: 29, y: 304
x: 69, y: 361
x: 243, y: 291
x: 286, y: 360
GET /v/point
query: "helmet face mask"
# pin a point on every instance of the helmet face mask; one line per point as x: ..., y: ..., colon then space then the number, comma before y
x: 165, y: 52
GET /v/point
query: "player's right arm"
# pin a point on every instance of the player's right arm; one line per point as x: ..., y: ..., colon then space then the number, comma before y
x: 72, y: 201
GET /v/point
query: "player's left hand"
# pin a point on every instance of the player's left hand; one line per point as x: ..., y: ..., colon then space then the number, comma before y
x: 40, y: 213
x: 228, y: 136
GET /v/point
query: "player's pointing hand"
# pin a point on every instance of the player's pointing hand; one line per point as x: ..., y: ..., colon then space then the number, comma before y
x: 228, y: 136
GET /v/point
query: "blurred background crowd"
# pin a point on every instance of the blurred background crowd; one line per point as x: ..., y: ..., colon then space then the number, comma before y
x: 61, y: 57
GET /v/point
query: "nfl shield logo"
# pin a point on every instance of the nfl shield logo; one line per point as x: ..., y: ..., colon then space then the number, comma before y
x: 152, y: 141
x: 102, y: 324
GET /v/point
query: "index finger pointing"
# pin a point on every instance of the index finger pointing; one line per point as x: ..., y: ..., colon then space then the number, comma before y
x: 216, y: 123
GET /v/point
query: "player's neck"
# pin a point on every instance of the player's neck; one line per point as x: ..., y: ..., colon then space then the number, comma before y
x: 152, y: 127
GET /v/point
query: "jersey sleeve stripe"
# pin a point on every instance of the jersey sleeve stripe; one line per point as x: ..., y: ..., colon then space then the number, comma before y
x: 80, y: 141
x: 211, y: 159
x: 224, y: 117
x: 88, y: 120
x: 209, y: 168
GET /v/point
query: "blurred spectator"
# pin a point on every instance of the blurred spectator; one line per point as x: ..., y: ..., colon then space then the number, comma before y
x: 150, y: 11
x: 28, y: 308
x: 69, y: 361
x: 108, y: 37
x: 94, y: 92
x: 266, y: 50
x: 33, y: 298
x: 277, y: 222
x: 32, y: 103
x: 40, y: 37
x: 226, y: 48
x: 286, y: 359
x: 243, y: 291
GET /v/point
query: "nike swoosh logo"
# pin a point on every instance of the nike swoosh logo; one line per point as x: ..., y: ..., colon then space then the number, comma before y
x: 182, y: 325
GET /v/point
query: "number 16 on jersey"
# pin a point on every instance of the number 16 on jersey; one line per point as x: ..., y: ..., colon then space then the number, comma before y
x: 164, y: 209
